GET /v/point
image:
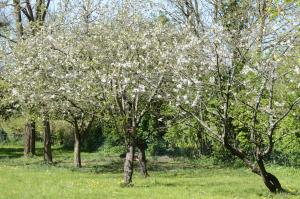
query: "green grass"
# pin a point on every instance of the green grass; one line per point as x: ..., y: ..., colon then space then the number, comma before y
x: 101, y: 178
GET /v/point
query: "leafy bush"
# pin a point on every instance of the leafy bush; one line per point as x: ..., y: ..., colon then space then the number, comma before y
x: 157, y: 148
x: 93, y: 139
x: 63, y: 134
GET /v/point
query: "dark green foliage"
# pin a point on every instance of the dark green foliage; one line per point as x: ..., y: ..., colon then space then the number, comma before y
x: 153, y: 129
x: 64, y: 135
x: 3, y: 135
x: 287, y: 145
x: 93, y: 139
x: 285, y: 159
x: 222, y: 156
x: 112, y: 134
x: 158, y: 148
x: 187, y: 139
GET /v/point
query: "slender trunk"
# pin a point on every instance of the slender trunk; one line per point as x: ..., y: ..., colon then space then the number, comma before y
x: 32, y: 140
x: 128, y: 164
x: 18, y: 18
x: 200, y: 143
x: 27, y: 138
x: 143, y: 162
x: 47, y: 142
x: 216, y: 10
x: 77, y: 158
x: 271, y: 181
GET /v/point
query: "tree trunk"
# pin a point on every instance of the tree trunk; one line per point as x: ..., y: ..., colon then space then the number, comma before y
x: 143, y: 162
x: 128, y: 164
x: 47, y: 142
x: 29, y: 139
x: 271, y: 182
x: 32, y: 140
x: 77, y: 158
x: 18, y: 18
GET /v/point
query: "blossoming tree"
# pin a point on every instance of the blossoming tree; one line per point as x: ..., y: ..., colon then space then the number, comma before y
x: 235, y: 89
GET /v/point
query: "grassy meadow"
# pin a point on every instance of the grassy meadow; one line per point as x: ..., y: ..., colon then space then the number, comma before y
x: 101, y: 178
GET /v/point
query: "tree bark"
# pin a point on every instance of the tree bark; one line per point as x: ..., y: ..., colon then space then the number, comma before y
x: 29, y: 139
x: 271, y: 181
x: 33, y: 136
x: 128, y: 165
x: 18, y: 18
x: 47, y: 142
x: 143, y: 162
x: 77, y: 157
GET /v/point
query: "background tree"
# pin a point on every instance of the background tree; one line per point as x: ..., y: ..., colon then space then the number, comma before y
x: 28, y: 17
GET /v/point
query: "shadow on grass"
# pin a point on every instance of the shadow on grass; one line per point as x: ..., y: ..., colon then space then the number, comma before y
x: 160, y: 184
x: 91, y: 162
x: 290, y: 192
x: 115, y: 165
x: 14, y: 156
x: 112, y: 166
x: 11, y: 152
x: 179, y: 183
x: 284, y: 194
x: 167, y: 166
x: 17, y: 152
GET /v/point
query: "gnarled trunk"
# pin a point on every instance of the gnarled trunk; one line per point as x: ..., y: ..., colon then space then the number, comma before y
x: 271, y: 181
x: 47, y: 142
x: 77, y: 157
x: 143, y: 162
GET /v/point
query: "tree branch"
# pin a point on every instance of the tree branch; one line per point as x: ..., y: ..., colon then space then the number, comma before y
x: 5, y: 37
x: 287, y: 112
x: 150, y: 100
x: 29, y: 9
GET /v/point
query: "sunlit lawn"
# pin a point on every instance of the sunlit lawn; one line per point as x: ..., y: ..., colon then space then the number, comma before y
x: 101, y: 178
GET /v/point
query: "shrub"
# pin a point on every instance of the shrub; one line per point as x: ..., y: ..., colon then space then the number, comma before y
x: 93, y: 139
